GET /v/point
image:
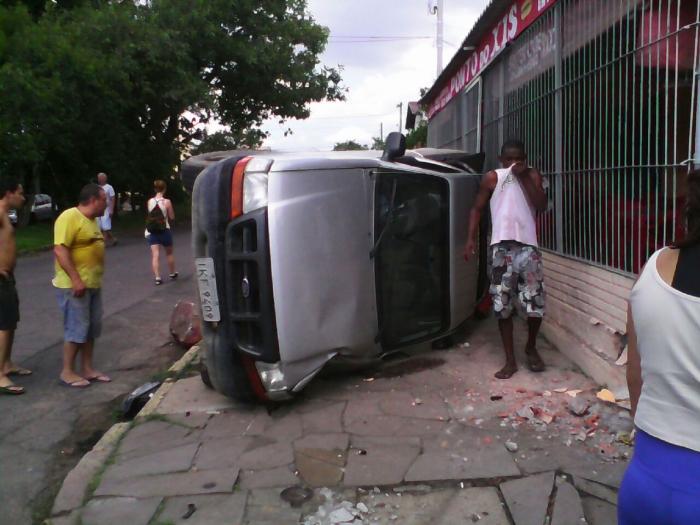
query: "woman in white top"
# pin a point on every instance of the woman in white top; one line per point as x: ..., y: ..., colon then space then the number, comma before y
x: 160, y: 214
x: 662, y: 484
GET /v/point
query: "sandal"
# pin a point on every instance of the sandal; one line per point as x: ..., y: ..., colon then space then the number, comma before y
x: 173, y: 276
x: 101, y: 378
x: 12, y: 390
x: 19, y: 371
x: 159, y: 281
x: 79, y: 383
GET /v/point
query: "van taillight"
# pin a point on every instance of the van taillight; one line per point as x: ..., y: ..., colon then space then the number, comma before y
x: 237, y: 187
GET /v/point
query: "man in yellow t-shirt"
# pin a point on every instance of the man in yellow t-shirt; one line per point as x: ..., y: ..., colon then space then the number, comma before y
x: 79, y: 249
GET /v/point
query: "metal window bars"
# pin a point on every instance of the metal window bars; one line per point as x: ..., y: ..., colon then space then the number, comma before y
x: 604, y: 94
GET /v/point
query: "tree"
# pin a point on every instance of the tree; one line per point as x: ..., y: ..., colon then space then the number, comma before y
x: 349, y: 145
x: 378, y: 143
x: 127, y: 88
x: 227, y: 140
x: 418, y: 137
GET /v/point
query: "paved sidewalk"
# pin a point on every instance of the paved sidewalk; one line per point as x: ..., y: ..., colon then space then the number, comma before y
x: 429, y: 438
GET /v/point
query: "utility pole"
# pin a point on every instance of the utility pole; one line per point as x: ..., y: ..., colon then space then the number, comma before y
x: 400, y: 106
x: 438, y: 9
x: 381, y: 131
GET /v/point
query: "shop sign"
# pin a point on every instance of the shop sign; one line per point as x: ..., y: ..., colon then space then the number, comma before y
x: 521, y: 15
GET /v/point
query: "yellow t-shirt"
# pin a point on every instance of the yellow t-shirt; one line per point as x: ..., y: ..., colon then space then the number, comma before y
x: 83, y: 238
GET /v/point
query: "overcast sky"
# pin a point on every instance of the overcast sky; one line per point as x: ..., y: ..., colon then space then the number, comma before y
x: 379, y: 75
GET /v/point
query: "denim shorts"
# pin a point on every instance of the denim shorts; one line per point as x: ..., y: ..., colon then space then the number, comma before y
x: 82, y: 316
x: 164, y: 238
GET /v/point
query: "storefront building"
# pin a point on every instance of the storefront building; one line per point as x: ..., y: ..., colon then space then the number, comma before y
x: 605, y: 94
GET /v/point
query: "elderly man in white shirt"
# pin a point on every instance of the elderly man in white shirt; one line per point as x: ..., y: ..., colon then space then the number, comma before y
x: 106, y: 219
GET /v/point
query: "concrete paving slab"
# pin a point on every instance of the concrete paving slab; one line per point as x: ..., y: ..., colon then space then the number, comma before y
x: 360, y: 409
x: 428, y: 406
x: 224, y: 509
x: 568, y: 509
x: 369, y: 441
x: 319, y: 467
x: 235, y: 423
x: 286, y: 427
x: 380, y: 465
x: 118, y: 511
x: 333, y: 441
x: 528, y: 498
x: 191, y: 395
x: 72, y: 518
x: 222, y: 453
x: 394, y: 426
x: 268, y: 456
x: 193, y: 482
x: 476, y: 463
x: 280, y: 477
x: 609, y: 474
x: 599, y: 512
x: 595, y: 489
x: 324, y: 420
x: 475, y: 505
x: 154, y: 436
x: 190, y: 419
x: 405, y: 509
x: 75, y: 484
x: 177, y: 459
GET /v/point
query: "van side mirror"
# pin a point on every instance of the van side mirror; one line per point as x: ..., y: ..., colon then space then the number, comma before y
x: 395, y: 146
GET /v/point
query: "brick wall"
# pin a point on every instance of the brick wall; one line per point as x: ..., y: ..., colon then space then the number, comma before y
x: 586, y: 315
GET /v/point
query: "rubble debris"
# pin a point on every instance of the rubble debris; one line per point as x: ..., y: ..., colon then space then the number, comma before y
x: 296, y: 496
x: 496, y: 398
x: 606, y: 395
x: 578, y: 406
x: 511, y: 446
x: 191, y: 509
x: 368, y: 379
x: 560, y: 390
x: 573, y: 393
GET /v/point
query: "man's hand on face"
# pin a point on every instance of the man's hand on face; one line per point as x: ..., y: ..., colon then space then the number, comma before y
x: 519, y: 169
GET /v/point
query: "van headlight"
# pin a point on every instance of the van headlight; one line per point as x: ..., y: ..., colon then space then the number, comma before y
x: 254, y: 191
x: 255, y: 184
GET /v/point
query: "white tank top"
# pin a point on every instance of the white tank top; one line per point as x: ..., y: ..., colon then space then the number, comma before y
x: 512, y: 215
x: 667, y: 323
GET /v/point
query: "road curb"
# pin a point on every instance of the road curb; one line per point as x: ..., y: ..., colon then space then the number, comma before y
x: 75, y: 485
x: 152, y: 406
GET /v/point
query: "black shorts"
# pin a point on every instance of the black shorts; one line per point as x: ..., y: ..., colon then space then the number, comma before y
x: 9, y: 304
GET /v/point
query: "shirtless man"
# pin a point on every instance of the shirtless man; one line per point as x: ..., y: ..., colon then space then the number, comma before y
x: 11, y: 197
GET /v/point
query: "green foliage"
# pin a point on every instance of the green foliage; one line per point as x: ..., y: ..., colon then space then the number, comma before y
x: 224, y: 141
x: 349, y: 145
x: 126, y: 88
x: 418, y: 137
x: 378, y: 143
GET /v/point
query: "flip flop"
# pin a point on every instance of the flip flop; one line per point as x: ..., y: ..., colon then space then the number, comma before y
x: 80, y: 383
x: 102, y: 378
x: 12, y: 390
x: 173, y: 276
x: 159, y: 281
x: 19, y: 371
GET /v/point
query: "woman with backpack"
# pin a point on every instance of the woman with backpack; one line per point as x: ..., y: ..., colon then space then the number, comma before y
x: 160, y: 213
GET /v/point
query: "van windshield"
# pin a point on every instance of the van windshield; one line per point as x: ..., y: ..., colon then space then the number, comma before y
x: 412, y: 259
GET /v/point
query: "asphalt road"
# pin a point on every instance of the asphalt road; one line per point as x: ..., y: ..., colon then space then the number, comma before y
x: 45, y: 432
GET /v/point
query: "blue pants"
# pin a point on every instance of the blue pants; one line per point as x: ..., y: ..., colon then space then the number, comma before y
x: 661, y: 485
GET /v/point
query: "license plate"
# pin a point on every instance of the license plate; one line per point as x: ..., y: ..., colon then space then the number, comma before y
x: 206, y: 281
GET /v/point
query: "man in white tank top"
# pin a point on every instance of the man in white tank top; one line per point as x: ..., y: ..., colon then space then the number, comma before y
x: 516, y: 194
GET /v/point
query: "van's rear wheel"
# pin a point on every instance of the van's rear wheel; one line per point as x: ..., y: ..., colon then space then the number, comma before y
x: 204, y: 374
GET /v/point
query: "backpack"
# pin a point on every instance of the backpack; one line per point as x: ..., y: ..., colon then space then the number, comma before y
x: 155, y: 220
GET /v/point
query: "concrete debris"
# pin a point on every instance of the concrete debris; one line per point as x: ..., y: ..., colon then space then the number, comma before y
x: 511, y: 446
x: 573, y: 393
x: 606, y: 395
x: 578, y: 406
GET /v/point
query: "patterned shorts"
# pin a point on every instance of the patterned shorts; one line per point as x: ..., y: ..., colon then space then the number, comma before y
x: 516, y: 269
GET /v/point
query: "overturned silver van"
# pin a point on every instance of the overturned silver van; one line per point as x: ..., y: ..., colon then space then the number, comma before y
x: 307, y: 258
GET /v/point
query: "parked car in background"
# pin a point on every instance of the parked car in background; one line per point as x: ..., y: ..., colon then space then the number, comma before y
x: 42, y: 208
x: 307, y: 258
